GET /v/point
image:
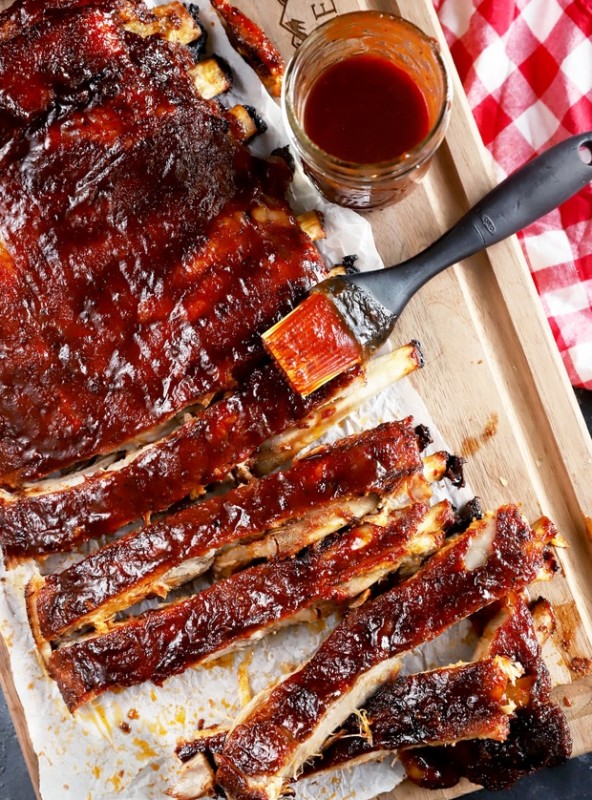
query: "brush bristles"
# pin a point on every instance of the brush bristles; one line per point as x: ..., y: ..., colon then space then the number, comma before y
x: 312, y: 344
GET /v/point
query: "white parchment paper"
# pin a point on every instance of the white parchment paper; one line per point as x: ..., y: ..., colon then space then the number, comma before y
x: 121, y: 746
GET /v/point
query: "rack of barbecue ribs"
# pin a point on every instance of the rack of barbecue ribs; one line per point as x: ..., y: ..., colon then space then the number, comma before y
x: 143, y: 248
x: 134, y: 291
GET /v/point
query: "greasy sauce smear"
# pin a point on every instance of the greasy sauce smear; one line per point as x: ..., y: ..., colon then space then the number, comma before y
x: 471, y: 444
x: 366, y: 109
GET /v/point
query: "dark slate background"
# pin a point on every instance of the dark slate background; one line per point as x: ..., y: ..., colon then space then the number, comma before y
x: 571, y: 781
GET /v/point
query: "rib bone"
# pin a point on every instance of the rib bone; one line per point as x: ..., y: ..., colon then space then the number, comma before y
x: 172, y: 22
x: 211, y: 77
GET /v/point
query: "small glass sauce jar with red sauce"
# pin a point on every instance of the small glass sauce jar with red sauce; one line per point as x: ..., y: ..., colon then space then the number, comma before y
x: 366, y: 101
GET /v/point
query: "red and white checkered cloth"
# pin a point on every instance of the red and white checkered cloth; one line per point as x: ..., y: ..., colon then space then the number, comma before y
x: 526, y: 66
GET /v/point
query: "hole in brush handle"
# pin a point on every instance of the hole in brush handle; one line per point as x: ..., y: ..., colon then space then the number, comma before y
x: 585, y: 153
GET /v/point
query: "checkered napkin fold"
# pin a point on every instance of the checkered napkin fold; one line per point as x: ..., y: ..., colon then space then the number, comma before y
x: 526, y: 66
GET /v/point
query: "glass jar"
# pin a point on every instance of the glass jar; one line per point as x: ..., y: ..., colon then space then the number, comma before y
x: 347, y: 183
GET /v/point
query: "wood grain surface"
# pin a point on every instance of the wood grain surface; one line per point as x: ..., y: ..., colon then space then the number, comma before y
x: 491, y: 364
x: 490, y: 358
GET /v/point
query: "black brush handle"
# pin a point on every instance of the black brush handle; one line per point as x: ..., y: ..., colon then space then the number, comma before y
x: 522, y: 198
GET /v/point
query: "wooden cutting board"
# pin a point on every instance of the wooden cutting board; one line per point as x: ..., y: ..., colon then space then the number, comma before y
x: 493, y: 379
x: 491, y: 361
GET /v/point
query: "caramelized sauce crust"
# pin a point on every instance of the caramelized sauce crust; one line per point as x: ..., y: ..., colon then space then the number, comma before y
x: 136, y: 279
x: 411, y: 613
x: 538, y: 736
x: 164, y: 642
x: 200, y: 452
x: 440, y: 706
x: 354, y: 466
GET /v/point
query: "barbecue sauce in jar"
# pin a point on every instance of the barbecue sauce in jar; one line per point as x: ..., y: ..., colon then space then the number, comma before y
x: 366, y: 109
x: 366, y: 102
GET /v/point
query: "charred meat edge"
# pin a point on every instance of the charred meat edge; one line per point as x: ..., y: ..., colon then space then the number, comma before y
x: 538, y: 735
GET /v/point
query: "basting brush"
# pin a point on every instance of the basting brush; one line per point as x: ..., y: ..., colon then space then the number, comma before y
x: 347, y: 317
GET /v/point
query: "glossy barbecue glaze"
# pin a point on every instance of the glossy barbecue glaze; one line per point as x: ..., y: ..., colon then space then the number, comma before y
x: 446, y: 705
x: 358, y: 465
x: 250, y: 41
x: 442, y: 705
x: 198, y: 453
x: 429, y: 708
x: 516, y: 638
x: 136, y: 272
x: 164, y: 642
x: 263, y: 751
x: 538, y: 735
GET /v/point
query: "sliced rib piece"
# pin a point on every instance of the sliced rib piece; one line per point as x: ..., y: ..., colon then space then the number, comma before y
x: 136, y: 565
x: 539, y: 733
x: 285, y: 726
x: 247, y: 606
x: 441, y: 706
x: 413, y: 488
x: 518, y: 631
x: 411, y: 711
x: 539, y: 737
x: 445, y: 705
x: 253, y: 45
x: 129, y: 288
x: 377, y: 374
x: 59, y: 515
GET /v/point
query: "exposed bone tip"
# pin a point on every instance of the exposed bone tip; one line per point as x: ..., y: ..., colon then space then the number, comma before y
x: 418, y: 352
x: 196, y: 779
x: 349, y: 264
x: 545, y: 620
x: 312, y: 224
x: 246, y: 122
x: 211, y: 77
